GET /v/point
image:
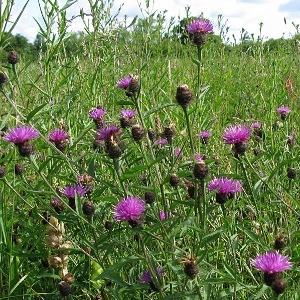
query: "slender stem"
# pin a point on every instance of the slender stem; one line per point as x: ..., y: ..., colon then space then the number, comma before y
x: 117, y: 169
x: 189, y: 129
x: 199, y: 50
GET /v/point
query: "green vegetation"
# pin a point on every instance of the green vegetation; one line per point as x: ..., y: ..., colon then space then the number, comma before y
x: 204, y: 248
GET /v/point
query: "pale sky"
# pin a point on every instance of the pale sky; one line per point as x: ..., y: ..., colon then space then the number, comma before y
x: 237, y: 14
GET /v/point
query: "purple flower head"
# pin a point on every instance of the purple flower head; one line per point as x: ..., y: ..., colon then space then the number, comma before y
x: 178, y: 153
x: 225, y: 186
x: 124, y: 83
x: 97, y: 113
x: 161, y: 142
x: 200, y: 25
x: 58, y: 135
x: 21, y: 134
x: 236, y: 134
x: 204, y: 134
x: 198, y: 157
x: 283, y: 110
x: 162, y: 215
x: 108, y: 132
x: 71, y: 190
x: 129, y: 209
x: 146, y: 276
x: 271, y: 262
x: 128, y: 113
x: 256, y: 125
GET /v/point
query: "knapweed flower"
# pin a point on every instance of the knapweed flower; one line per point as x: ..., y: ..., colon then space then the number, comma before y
x: 204, y: 135
x: 178, y: 153
x: 162, y: 215
x: 198, y: 29
x: 283, y: 112
x: 130, y: 83
x: 21, y: 136
x: 108, y: 132
x: 97, y: 115
x: 124, y: 82
x: 256, y: 125
x: 161, y: 142
x: 272, y: 264
x: 127, y: 118
x: 237, y: 135
x: 146, y: 276
x: 129, y: 209
x: 184, y: 95
x: 71, y: 191
x: 225, y: 188
x: 59, y: 137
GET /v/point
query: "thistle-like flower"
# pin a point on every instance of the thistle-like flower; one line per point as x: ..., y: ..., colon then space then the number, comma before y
x: 21, y: 136
x: 283, y: 112
x: 198, y: 29
x: 272, y: 262
x: 97, y: 116
x: 237, y: 135
x: 127, y: 117
x: 71, y: 191
x: 146, y: 278
x: 59, y: 137
x: 225, y: 188
x: 129, y: 209
x: 204, y: 135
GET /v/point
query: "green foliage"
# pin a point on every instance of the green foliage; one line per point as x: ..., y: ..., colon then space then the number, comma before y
x: 68, y: 75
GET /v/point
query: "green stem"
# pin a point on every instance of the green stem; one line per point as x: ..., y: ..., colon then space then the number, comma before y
x: 117, y: 169
x: 189, y: 129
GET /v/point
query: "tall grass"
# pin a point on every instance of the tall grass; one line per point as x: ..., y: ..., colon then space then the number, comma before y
x: 107, y: 258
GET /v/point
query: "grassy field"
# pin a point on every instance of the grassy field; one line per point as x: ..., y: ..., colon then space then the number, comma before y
x: 66, y: 231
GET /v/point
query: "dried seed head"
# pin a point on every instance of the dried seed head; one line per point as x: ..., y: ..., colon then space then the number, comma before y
x: 19, y: 169
x: 149, y: 197
x: 184, y: 95
x: 64, y: 288
x: 3, y: 78
x: 137, y: 132
x: 151, y: 134
x: 291, y: 173
x: 88, y: 208
x: 201, y: 170
x: 191, y: 268
x: 13, y: 57
x: 280, y: 243
x: 2, y: 171
x: 174, y: 179
x: 278, y: 286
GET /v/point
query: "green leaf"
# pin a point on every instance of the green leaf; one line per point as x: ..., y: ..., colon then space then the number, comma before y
x: 35, y: 111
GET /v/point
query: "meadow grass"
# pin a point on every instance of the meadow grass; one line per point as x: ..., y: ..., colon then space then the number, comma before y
x: 45, y: 250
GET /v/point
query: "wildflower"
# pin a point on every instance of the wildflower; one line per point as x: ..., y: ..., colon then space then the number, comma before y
x: 225, y: 187
x: 109, y: 132
x: 283, y: 112
x: 127, y: 117
x: 169, y: 132
x: 151, y: 134
x: 198, y: 29
x: 184, y: 95
x: 271, y: 262
x: 161, y: 142
x: 64, y: 288
x: 57, y: 204
x: 59, y: 137
x: 291, y: 140
x: 256, y: 125
x: 129, y: 209
x: 131, y: 84
x: 19, y: 169
x: 280, y: 243
x: 205, y: 135
x: 20, y: 136
x: 237, y: 135
x: 191, y: 268
x: 146, y: 278
x: 178, y: 153
x: 97, y: 115
x: 86, y: 181
x: 88, y: 208
x: 71, y: 191
x: 163, y: 215
x: 124, y: 83
x: 291, y: 173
